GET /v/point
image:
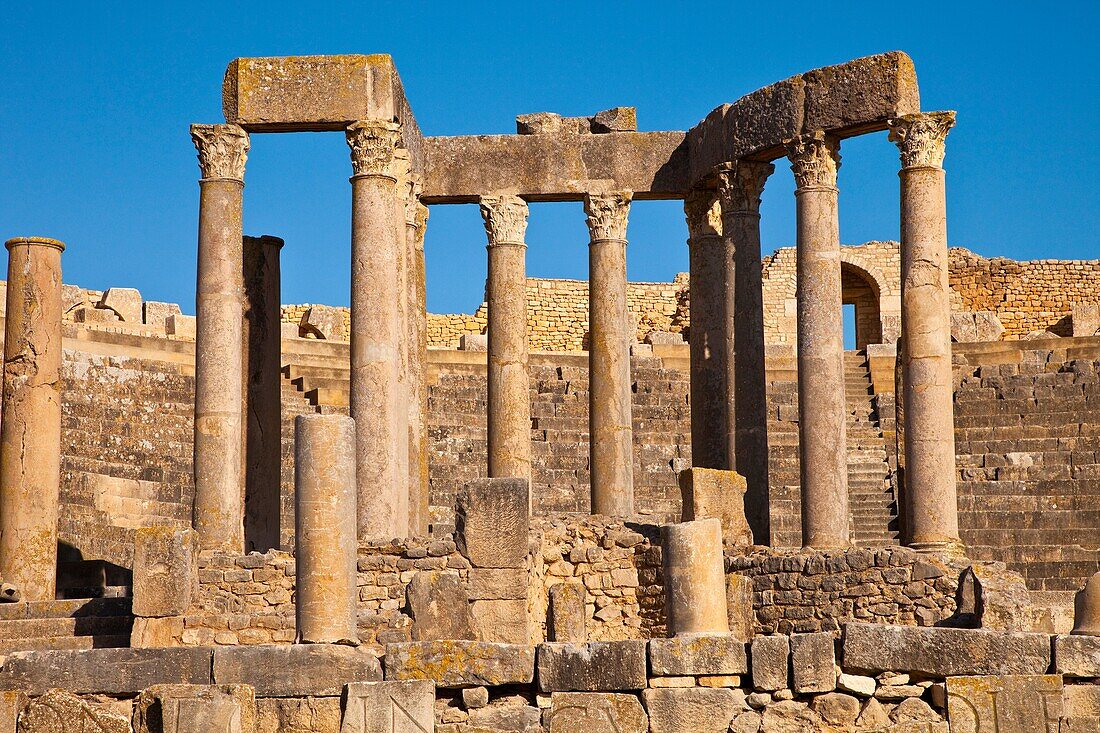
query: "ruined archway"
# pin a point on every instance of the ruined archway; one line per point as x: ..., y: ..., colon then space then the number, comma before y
x: 859, y: 289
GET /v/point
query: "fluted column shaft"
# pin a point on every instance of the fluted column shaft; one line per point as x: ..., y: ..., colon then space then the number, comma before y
x: 509, y: 417
x: 822, y: 412
x: 30, y: 431
x: 218, y: 513
x: 417, y: 349
x: 740, y: 185
x: 609, y: 337
x: 930, y: 502
x: 377, y: 241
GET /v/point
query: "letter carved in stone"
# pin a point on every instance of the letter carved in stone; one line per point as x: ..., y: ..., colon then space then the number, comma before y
x: 505, y: 218
x: 607, y: 214
x: 921, y: 138
x: 373, y: 145
x: 815, y: 158
x: 223, y: 150
x: 740, y: 185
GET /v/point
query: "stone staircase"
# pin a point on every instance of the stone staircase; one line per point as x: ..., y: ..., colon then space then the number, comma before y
x: 88, y: 623
x: 870, y: 490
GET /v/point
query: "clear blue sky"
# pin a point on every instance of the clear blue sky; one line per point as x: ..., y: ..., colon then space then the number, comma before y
x: 97, y: 98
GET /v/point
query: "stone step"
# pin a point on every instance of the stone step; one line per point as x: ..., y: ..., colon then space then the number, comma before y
x: 16, y: 629
x: 75, y: 607
x: 7, y: 646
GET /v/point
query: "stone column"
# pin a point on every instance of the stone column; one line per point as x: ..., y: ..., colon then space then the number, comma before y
x: 822, y: 412
x: 740, y: 185
x: 416, y: 339
x: 325, y: 528
x: 611, y: 457
x: 930, y: 504
x: 420, y: 313
x: 509, y: 415
x: 219, y: 339
x: 263, y: 393
x: 695, y: 578
x: 377, y: 240
x: 30, y: 429
x: 711, y: 343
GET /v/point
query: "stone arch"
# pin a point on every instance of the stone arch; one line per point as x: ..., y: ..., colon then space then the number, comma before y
x: 870, y: 280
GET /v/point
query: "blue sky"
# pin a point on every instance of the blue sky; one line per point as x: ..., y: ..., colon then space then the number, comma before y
x: 97, y: 99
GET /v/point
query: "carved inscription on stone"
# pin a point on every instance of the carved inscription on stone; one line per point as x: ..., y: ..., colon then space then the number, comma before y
x: 60, y: 712
x: 389, y: 707
x: 596, y: 712
x: 1004, y: 704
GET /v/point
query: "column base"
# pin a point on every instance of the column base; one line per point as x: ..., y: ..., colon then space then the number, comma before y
x: 949, y: 548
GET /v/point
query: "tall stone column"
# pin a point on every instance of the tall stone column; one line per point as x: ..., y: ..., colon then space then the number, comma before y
x: 821, y: 420
x: 423, y: 497
x: 30, y: 430
x: 930, y: 503
x: 509, y: 415
x: 263, y: 393
x: 219, y: 339
x: 377, y: 240
x: 416, y: 341
x: 740, y: 185
x: 711, y: 342
x: 611, y: 456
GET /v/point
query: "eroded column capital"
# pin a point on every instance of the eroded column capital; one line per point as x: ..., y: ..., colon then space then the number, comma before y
x: 607, y: 214
x: 223, y: 150
x: 704, y: 214
x: 413, y: 188
x: 373, y: 146
x: 740, y: 185
x: 421, y: 224
x: 921, y: 138
x: 815, y: 158
x: 505, y: 219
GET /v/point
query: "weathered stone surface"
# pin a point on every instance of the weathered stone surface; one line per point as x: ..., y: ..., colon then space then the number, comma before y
x: 836, y: 708
x: 857, y: 684
x: 1077, y: 655
x: 1081, y: 700
x: 497, y: 584
x: 972, y: 326
x: 491, y: 522
x: 690, y: 710
x: 439, y: 606
x: 1086, y: 319
x: 616, y: 119
x: 739, y: 609
x: 997, y: 598
x: 295, y: 670
x: 180, y: 326
x: 501, y: 621
x: 695, y: 579
x: 770, y: 657
x: 790, y: 716
x: 813, y: 659
x: 474, y: 342
x: 298, y: 715
x: 710, y: 493
x: 405, y: 706
x: 567, y: 613
x: 596, y: 712
x: 508, y: 715
x: 593, y: 667
x: 460, y: 663
x: 155, y: 633
x: 155, y: 313
x: 475, y: 697
x: 944, y: 652
x: 12, y: 703
x: 1086, y: 608
x: 105, y: 671
x: 703, y: 654
x: 195, y: 709
x: 58, y: 711
x: 1004, y: 704
x: 164, y: 571
x: 324, y: 322
x: 126, y: 302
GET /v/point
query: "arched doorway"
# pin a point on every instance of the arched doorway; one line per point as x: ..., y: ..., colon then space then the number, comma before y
x: 859, y: 289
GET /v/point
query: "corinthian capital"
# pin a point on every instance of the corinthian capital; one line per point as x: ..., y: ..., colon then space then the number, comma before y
x: 607, y: 214
x: 704, y: 215
x: 505, y: 219
x: 223, y: 150
x: 740, y: 185
x: 815, y: 158
x: 373, y: 144
x: 921, y: 138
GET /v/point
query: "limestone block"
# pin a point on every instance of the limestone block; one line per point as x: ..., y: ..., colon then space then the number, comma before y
x: 694, y: 577
x: 154, y: 633
x: 290, y: 330
x: 861, y: 685
x: 770, y: 657
x: 295, y: 670
x: 155, y: 313
x: 439, y: 607
x: 880, y: 87
x: 1077, y: 655
x: 1086, y: 319
x: 742, y: 618
x: 1004, y: 704
x: 813, y: 659
x: 93, y: 314
x: 596, y: 712
x: 997, y: 598
x: 406, y: 706
x: 1081, y: 700
x: 475, y: 697
x: 195, y: 709
x: 180, y: 326
x: 165, y: 571
x: 491, y: 522
x: 474, y: 342
x: 324, y: 322
x: 616, y: 119
x: 506, y: 714
x: 710, y: 493
x: 690, y: 710
x: 58, y: 711
x: 126, y: 302
x: 663, y: 338
x: 593, y: 667
x: 702, y: 654
x: 501, y: 621
x: 837, y: 709
x: 943, y: 652
x: 104, y: 671
x: 454, y: 663
x: 791, y: 716
x: 298, y: 715
x: 1086, y: 607
x: 567, y: 613
x: 497, y: 584
x: 1088, y: 724
x: 971, y: 326
x: 12, y: 703
x: 72, y: 296
x: 538, y: 123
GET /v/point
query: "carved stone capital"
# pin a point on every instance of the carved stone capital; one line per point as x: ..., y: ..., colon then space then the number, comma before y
x: 505, y: 219
x: 704, y: 215
x: 412, y: 198
x: 223, y: 150
x: 740, y: 185
x: 815, y: 158
x: 921, y: 138
x: 373, y: 144
x: 607, y: 214
x: 421, y: 224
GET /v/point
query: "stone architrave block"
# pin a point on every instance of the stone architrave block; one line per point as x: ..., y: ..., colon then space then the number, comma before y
x: 690, y: 709
x: 491, y: 522
x: 395, y: 706
x: 1085, y: 319
x: 195, y: 709
x: 498, y: 584
x: 59, y: 711
x: 324, y: 322
x: 454, y: 663
x: 165, y: 571
x: 568, y: 614
x: 943, y: 652
x: 598, y: 666
x: 155, y: 313
x: 180, y: 326
x: 473, y: 342
x: 596, y: 712
x: 710, y: 493
x: 1077, y: 655
x: 501, y: 621
x: 119, y: 672
x: 813, y: 660
x: 770, y: 656
x: 12, y: 703
x: 295, y: 670
x: 701, y: 654
x: 439, y: 606
x: 742, y: 617
x: 1004, y: 704
x: 126, y: 302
